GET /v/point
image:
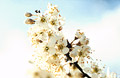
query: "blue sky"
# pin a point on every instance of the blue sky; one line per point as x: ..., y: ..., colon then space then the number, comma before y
x: 93, y: 16
x: 83, y: 11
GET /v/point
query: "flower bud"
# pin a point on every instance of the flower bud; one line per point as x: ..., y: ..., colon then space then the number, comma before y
x: 28, y: 14
x: 29, y: 21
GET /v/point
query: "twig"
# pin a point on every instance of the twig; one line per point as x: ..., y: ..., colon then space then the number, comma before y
x: 75, y: 63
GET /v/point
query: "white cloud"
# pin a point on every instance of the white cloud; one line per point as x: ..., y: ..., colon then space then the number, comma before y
x: 105, y: 39
x: 104, y: 36
x: 14, y: 56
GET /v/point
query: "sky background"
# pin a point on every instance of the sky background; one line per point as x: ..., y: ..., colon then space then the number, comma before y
x: 99, y: 19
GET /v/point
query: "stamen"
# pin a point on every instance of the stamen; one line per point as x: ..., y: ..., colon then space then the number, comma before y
x: 60, y: 28
x: 46, y: 48
x: 53, y: 22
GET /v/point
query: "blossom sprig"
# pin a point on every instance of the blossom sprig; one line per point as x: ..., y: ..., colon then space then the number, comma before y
x: 54, y: 53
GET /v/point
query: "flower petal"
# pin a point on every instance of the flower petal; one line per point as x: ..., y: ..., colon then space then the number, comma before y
x: 94, y: 76
x: 52, y: 51
x: 65, y: 42
x: 65, y: 50
x: 87, y: 70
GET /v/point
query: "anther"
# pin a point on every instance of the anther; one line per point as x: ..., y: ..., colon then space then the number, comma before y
x: 37, y: 11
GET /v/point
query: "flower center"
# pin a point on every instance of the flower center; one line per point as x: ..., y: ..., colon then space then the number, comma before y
x: 53, y: 22
x: 96, y: 70
x: 80, y: 54
x: 60, y: 47
x: 36, y: 74
x: 43, y: 19
x: 50, y: 33
x: 55, y: 56
x: 46, y: 48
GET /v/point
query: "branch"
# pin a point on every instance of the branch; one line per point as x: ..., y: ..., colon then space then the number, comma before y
x: 75, y: 63
x: 84, y: 74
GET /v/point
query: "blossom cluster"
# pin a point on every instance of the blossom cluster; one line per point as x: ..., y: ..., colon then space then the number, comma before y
x: 54, y: 54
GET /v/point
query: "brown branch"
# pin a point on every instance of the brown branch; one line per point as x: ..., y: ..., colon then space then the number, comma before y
x: 75, y: 63
x: 84, y: 74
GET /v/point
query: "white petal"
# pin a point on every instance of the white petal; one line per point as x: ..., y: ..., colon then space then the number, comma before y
x: 55, y: 27
x: 94, y: 76
x: 102, y: 74
x: 65, y: 50
x: 52, y: 51
x: 59, y: 41
x: 74, y: 60
x: 87, y: 70
x: 78, y: 48
x: 65, y: 42
x: 51, y: 42
x: 73, y: 53
x: 77, y: 34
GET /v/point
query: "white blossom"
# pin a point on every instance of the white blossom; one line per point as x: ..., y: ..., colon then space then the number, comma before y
x: 79, y: 34
x: 42, y: 21
x: 61, y: 46
x: 55, y: 56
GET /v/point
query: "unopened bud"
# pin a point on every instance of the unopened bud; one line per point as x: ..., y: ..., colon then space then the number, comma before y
x: 29, y: 21
x: 28, y: 14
